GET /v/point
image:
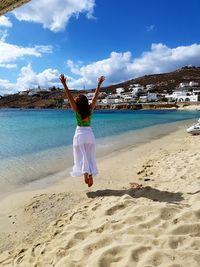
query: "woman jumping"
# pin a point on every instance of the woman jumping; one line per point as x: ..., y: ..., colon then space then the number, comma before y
x: 84, y: 140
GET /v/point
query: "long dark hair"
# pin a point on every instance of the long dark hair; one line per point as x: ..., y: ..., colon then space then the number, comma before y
x: 83, y: 106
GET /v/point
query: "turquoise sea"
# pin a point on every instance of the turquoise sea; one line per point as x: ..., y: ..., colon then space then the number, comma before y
x: 37, y: 143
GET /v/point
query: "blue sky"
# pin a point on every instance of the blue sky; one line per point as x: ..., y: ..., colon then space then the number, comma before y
x: 88, y: 38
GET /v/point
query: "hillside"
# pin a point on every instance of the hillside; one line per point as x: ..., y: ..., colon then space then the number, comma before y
x: 165, y: 82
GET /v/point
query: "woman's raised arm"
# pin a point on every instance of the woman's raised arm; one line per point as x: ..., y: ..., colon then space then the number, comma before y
x: 94, y: 99
x: 69, y: 96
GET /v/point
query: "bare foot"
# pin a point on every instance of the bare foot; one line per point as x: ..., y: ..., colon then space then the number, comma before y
x: 86, y: 178
x: 90, y: 181
x: 135, y: 185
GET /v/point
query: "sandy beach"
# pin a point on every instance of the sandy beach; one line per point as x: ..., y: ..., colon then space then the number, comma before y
x: 189, y: 106
x: 112, y: 223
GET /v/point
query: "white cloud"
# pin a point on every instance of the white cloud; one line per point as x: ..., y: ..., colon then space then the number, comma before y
x: 117, y: 67
x: 121, y: 66
x: 150, y: 28
x: 54, y: 14
x: 30, y: 79
x: 110, y: 67
x: 10, y: 52
x: 6, y: 87
x: 74, y: 67
x: 3, y: 35
x: 5, y: 22
x: 8, y: 66
x: 162, y: 59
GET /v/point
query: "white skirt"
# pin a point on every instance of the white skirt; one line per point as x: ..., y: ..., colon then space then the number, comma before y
x: 84, y: 152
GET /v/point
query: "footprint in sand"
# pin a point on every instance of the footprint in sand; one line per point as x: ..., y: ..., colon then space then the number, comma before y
x: 115, y: 208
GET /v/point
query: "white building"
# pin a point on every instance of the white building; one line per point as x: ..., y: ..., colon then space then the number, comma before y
x: 176, y: 94
x: 138, y: 89
x: 136, y: 85
x: 102, y: 94
x: 23, y: 93
x: 192, y: 83
x: 143, y: 98
x: 190, y: 98
x: 188, y: 84
x: 90, y: 96
x: 196, y: 92
x: 184, y: 96
x: 149, y: 86
x: 32, y: 93
x: 150, y: 97
x: 35, y: 91
x: 118, y: 100
x: 119, y: 90
x: 183, y: 84
x: 128, y: 98
x: 110, y: 101
x: 113, y: 96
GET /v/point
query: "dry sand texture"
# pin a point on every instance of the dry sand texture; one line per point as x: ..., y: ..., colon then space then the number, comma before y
x: 115, y: 225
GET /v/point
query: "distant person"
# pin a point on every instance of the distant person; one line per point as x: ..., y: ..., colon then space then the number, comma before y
x: 84, y: 140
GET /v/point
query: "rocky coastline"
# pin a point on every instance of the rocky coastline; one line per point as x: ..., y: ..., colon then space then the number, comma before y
x: 48, y: 100
x: 161, y: 83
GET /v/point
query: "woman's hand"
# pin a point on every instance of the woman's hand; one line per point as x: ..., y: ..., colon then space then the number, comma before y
x: 100, y: 80
x: 72, y: 102
x: 63, y: 79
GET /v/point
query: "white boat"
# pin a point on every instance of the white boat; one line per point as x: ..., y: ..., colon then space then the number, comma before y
x: 194, y: 129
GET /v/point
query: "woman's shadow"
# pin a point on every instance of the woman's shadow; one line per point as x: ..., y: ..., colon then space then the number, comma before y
x: 146, y: 192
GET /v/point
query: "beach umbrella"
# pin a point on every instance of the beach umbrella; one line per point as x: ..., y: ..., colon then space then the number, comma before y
x: 9, y: 5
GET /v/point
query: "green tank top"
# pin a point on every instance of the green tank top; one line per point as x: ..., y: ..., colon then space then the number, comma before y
x: 82, y: 123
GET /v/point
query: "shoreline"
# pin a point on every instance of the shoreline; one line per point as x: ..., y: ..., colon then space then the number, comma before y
x: 34, y: 210
x: 106, y: 147
x: 151, y: 106
x: 125, y: 106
